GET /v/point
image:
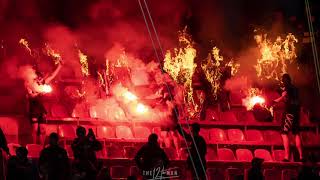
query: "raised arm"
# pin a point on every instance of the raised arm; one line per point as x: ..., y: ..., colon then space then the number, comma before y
x: 183, y: 133
x: 284, y: 94
x: 54, y: 74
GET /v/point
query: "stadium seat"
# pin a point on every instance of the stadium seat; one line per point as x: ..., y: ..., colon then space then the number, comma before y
x: 272, y: 174
x: 254, y: 135
x: 244, y: 155
x: 130, y: 152
x: 289, y: 174
x: 101, y: 154
x: 205, y: 134
x: 225, y: 154
x: 272, y: 137
x: 94, y: 128
x: 217, y: 135
x: 12, y: 148
x: 50, y: 129
x: 236, y: 98
x: 134, y: 171
x: 58, y: 110
x: 171, y: 153
x: 115, y: 152
x: 123, y: 132
x: 80, y: 110
x: 106, y: 132
x: 34, y: 150
x: 263, y: 154
x: 119, y: 172
x: 228, y: 116
x: 141, y: 132
x: 211, y: 154
x: 309, y: 138
x: 67, y: 131
x: 9, y: 126
x: 246, y: 116
x: 278, y: 155
x: 215, y: 173
x: 235, y: 135
x: 234, y: 173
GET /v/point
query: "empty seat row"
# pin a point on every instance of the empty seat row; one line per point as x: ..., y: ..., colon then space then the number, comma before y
x: 122, y: 132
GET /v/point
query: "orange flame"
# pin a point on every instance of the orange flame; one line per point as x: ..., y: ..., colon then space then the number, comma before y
x: 25, y: 43
x: 52, y: 53
x: 84, y: 63
x: 275, y: 56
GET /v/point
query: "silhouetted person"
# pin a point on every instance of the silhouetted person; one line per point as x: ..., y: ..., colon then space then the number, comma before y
x: 198, y: 149
x: 255, y: 172
x: 151, y: 157
x: 3, y: 142
x: 84, y: 148
x: 20, y: 167
x: 53, y: 161
x: 291, y: 116
x: 308, y: 170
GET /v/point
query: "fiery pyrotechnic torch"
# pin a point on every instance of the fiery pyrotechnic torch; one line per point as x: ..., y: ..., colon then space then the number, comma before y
x: 45, y: 88
x: 254, y: 97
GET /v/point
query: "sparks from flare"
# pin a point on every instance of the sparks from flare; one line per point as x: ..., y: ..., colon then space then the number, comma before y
x: 52, y: 53
x: 84, y: 63
x: 25, y: 43
x: 180, y: 65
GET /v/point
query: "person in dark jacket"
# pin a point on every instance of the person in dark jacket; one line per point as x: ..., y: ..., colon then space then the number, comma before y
x: 84, y: 149
x: 291, y: 116
x: 196, y: 160
x: 20, y: 167
x: 53, y: 161
x: 151, y: 157
x: 255, y: 172
x: 3, y: 142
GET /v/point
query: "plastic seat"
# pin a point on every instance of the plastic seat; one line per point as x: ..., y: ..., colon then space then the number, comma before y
x: 106, y: 132
x: 234, y: 173
x: 235, y: 135
x: 57, y: 110
x: 217, y: 135
x: 244, y: 155
x: 246, y: 116
x: 225, y: 154
x: 254, y: 135
x: 272, y: 174
x: 34, y: 150
x: 67, y: 131
x: 50, y: 129
x: 309, y: 138
x: 215, y: 173
x: 134, y: 171
x: 141, y: 132
x: 272, y: 137
x: 171, y: 153
x: 228, y: 116
x: 205, y: 134
x: 130, y: 152
x: 278, y: 155
x: 289, y: 174
x: 12, y: 148
x: 119, y: 172
x: 211, y: 154
x: 263, y: 154
x: 80, y: 110
x: 101, y: 154
x: 115, y: 152
x: 123, y: 132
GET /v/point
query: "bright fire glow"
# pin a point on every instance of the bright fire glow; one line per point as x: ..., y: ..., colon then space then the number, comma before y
x: 141, y: 109
x: 45, y: 88
x: 254, y: 97
x: 84, y: 63
x: 129, y: 96
x: 275, y: 56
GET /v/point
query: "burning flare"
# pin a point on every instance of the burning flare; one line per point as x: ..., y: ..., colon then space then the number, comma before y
x: 275, y: 56
x: 254, y: 97
x: 45, y: 88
